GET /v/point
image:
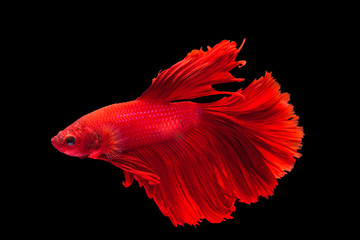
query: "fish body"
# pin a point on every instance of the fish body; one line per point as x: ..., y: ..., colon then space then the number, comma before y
x: 195, y: 159
x: 133, y: 124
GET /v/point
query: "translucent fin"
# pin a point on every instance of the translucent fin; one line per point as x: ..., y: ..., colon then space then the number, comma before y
x: 237, y: 152
x: 194, y: 76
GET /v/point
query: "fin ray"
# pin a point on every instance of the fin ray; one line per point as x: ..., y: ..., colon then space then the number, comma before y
x: 194, y: 76
x: 237, y: 152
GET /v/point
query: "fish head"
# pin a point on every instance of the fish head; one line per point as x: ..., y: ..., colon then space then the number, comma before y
x: 76, y: 140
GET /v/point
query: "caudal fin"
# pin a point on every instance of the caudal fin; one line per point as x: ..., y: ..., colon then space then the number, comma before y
x: 257, y: 138
x: 240, y: 147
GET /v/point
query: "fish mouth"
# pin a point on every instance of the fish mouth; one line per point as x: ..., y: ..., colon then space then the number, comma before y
x: 55, y: 142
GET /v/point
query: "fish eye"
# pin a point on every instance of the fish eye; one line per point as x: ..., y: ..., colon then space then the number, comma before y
x: 69, y: 140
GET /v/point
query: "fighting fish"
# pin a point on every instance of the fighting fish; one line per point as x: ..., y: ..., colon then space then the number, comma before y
x: 195, y: 160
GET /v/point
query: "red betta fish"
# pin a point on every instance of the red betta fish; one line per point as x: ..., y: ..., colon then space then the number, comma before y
x: 195, y: 159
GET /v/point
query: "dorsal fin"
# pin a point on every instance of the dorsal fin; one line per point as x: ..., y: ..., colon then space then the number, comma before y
x: 194, y: 76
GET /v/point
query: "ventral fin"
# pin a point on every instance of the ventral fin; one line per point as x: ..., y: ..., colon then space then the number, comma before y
x: 136, y: 166
x: 112, y: 150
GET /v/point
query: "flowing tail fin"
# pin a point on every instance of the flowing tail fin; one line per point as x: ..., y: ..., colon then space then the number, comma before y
x: 241, y: 146
x: 258, y: 136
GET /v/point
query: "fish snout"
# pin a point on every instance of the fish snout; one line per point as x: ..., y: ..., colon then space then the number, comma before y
x: 55, y: 141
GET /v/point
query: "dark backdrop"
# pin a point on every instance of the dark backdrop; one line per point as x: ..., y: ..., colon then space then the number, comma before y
x: 80, y: 61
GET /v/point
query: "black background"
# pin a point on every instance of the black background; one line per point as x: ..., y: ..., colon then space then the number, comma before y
x: 77, y: 61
